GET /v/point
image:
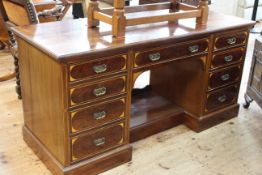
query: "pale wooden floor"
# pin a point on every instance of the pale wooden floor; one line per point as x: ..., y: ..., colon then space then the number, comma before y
x: 231, y: 148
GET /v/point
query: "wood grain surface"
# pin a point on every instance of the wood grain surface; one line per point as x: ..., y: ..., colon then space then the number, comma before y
x: 84, y: 41
x: 175, y: 151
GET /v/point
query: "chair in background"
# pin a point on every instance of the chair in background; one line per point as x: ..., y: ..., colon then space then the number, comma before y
x: 3, y: 34
x: 3, y: 43
x: 51, y: 10
x: 26, y: 12
x: 190, y: 2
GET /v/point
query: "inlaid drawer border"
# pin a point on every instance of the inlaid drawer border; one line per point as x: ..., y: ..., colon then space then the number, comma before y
x: 240, y: 66
x: 230, y: 33
x: 236, y: 85
x: 72, y: 65
x: 136, y: 53
x: 70, y: 90
x: 73, y: 112
x: 120, y: 143
x: 228, y: 51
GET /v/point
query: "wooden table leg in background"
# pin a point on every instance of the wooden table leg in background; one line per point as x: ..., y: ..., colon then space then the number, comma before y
x: 254, y: 15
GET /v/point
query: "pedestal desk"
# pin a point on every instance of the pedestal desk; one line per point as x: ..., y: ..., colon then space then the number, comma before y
x: 81, y: 113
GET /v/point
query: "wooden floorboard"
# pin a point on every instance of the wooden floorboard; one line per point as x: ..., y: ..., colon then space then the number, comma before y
x: 231, y: 148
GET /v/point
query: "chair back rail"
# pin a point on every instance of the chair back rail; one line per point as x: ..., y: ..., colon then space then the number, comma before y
x: 119, y: 20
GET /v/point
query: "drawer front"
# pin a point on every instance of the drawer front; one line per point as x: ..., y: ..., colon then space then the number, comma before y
x: 221, y: 98
x: 230, y: 40
x: 99, y: 90
x: 162, y: 54
x: 98, y: 67
x: 99, y: 141
x: 224, y: 77
x: 98, y: 115
x: 227, y: 58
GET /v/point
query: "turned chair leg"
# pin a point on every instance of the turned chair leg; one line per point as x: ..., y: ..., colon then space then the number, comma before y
x: 18, y: 87
x: 13, y: 49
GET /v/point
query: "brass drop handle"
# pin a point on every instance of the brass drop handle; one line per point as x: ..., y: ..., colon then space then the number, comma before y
x: 228, y: 58
x: 99, y: 115
x: 99, y: 91
x: 232, y: 40
x: 100, y: 141
x: 193, y: 49
x: 225, y: 77
x: 100, y: 68
x: 222, y: 98
x: 154, y: 56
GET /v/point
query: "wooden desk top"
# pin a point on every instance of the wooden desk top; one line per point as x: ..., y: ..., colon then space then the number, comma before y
x: 68, y: 38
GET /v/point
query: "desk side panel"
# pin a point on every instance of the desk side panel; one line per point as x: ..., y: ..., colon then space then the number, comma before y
x: 44, y: 104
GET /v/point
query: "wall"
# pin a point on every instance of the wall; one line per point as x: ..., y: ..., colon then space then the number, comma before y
x: 224, y: 6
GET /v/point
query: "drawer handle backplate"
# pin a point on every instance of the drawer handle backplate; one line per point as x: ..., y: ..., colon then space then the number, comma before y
x: 154, y: 56
x: 228, y: 58
x: 99, y: 115
x: 225, y: 77
x: 100, y: 68
x: 193, y: 49
x: 222, y: 98
x: 99, y: 91
x: 232, y: 40
x: 100, y: 141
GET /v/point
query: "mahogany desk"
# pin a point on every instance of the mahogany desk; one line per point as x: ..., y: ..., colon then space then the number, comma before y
x: 80, y: 110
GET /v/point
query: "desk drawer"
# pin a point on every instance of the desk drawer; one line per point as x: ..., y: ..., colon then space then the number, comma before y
x: 228, y: 57
x: 97, y: 91
x: 98, y: 67
x: 230, y: 40
x: 93, y: 143
x: 98, y: 115
x: 221, y: 98
x: 224, y: 77
x: 165, y: 53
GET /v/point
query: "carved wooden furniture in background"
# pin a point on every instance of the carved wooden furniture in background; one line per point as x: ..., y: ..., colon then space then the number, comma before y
x: 190, y: 2
x: 17, y: 13
x: 24, y: 12
x: 3, y: 34
x: 51, y: 10
x: 119, y: 20
x: 3, y: 44
x: 254, y: 86
x: 80, y: 110
x: 111, y: 2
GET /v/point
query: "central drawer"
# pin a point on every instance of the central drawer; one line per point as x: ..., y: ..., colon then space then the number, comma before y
x: 144, y: 58
x: 96, y: 142
x: 87, y: 93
